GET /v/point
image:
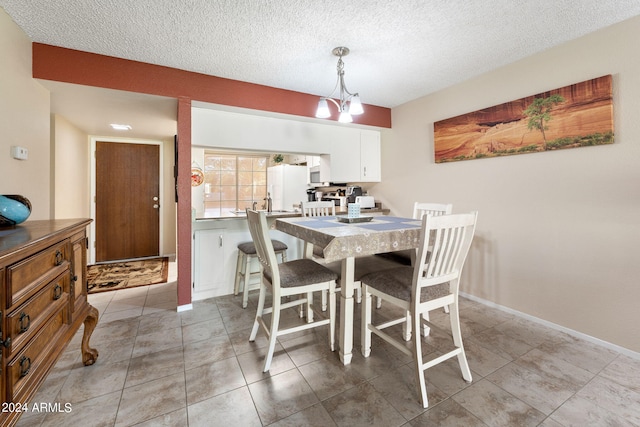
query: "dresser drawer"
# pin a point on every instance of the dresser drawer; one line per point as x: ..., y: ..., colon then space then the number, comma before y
x: 24, y: 321
x: 23, y: 278
x: 36, y: 357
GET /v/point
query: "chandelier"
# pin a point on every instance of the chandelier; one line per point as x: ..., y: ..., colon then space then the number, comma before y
x: 349, y: 102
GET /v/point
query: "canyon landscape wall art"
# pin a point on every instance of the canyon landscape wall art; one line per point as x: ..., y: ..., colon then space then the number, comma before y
x: 573, y: 116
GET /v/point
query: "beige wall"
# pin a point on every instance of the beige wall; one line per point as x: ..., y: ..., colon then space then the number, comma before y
x: 168, y: 204
x: 558, y: 232
x: 24, y: 121
x: 70, y: 153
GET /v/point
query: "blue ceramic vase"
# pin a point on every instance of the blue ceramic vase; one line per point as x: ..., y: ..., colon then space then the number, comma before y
x: 14, y: 209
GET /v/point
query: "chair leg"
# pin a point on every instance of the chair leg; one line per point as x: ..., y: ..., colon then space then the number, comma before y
x: 457, y: 340
x: 273, y: 333
x: 324, y: 300
x: 301, y: 312
x: 407, y: 328
x: 247, y: 280
x: 332, y: 320
x: 259, y: 312
x: 365, y: 332
x: 417, y: 359
x: 426, y: 330
x: 309, y: 307
x: 308, y: 250
x: 239, y: 264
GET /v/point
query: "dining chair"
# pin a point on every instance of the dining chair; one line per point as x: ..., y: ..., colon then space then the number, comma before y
x: 420, y: 209
x: 317, y: 208
x: 244, y: 273
x: 299, y: 277
x: 433, y: 282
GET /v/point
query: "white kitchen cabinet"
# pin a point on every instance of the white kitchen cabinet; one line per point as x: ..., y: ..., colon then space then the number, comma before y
x: 209, y: 267
x: 370, y: 162
x: 353, y: 159
x: 344, y: 163
x: 313, y: 161
x: 297, y: 159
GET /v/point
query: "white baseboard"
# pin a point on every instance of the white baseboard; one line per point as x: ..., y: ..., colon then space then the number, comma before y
x: 594, y: 340
x: 185, y: 307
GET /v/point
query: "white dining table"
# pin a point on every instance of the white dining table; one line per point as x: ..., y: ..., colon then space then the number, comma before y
x: 341, y: 241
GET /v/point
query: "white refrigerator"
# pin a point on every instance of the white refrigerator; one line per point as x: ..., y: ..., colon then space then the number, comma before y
x: 287, y: 185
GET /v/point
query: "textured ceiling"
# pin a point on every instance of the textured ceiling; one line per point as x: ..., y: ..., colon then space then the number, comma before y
x: 400, y: 50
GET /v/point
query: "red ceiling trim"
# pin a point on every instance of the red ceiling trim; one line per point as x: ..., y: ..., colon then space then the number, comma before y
x: 90, y: 69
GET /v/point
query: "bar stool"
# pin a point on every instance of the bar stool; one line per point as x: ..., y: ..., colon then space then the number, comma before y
x: 246, y: 253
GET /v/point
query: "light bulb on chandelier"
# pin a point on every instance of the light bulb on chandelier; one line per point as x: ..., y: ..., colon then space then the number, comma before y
x: 349, y: 103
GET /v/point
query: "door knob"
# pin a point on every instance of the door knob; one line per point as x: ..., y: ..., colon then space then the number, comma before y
x: 155, y: 199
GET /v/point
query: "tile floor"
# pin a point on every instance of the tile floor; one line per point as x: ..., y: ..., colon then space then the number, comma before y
x: 158, y: 367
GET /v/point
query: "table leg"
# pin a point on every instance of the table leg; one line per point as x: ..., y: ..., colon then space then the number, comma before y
x: 346, y: 310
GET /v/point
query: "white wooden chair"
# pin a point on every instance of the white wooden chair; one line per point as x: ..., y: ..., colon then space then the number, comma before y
x: 318, y: 208
x: 298, y: 277
x: 433, y: 282
x: 434, y: 209
x: 244, y: 274
x: 420, y: 209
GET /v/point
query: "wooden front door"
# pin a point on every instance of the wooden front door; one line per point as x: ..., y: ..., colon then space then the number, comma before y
x: 127, y: 201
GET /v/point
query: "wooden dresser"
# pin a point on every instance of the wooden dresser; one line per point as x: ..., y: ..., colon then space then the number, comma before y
x: 43, y: 279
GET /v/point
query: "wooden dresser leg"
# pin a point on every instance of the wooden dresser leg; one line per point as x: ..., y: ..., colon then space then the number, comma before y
x: 89, y: 355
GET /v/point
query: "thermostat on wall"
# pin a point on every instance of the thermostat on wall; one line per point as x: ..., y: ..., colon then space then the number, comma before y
x: 19, y: 153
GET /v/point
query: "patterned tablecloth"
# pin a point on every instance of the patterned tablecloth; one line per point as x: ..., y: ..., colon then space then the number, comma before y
x: 340, y: 240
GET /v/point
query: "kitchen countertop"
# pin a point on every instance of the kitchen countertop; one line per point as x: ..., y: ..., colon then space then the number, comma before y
x: 284, y: 214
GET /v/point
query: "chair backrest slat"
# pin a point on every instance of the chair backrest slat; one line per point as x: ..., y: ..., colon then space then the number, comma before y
x: 444, y: 245
x: 318, y: 208
x: 264, y: 248
x: 434, y: 209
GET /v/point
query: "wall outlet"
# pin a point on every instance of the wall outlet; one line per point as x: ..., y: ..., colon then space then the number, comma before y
x: 19, y: 153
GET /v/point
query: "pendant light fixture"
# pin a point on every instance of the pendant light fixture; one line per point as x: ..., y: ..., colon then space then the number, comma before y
x: 349, y: 103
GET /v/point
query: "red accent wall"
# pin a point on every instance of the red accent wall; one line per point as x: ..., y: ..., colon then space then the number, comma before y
x: 90, y: 69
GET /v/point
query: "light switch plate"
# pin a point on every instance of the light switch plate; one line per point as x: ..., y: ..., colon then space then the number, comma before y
x: 19, y: 153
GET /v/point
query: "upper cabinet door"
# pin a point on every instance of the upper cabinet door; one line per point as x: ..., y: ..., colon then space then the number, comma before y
x: 370, y: 163
x: 344, y: 158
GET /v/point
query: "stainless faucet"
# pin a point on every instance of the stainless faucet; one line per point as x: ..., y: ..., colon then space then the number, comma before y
x: 255, y: 206
x: 269, y: 202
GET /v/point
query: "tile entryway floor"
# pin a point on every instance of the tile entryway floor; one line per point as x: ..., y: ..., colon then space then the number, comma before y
x: 158, y: 367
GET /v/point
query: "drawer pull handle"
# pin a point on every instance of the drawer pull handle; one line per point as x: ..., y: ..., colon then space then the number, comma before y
x: 58, y: 258
x: 25, y: 365
x: 6, y: 343
x: 25, y: 322
x: 57, y: 292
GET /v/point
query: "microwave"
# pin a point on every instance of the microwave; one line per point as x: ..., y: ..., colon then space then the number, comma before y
x: 314, y: 175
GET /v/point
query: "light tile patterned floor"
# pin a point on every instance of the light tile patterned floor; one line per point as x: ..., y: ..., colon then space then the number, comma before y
x: 161, y: 368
